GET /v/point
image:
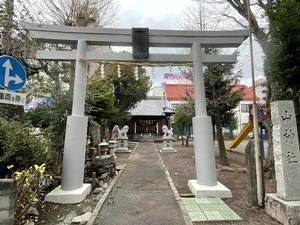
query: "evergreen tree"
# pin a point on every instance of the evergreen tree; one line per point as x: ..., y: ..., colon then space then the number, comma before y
x: 282, y: 64
x: 221, y: 100
x: 128, y: 85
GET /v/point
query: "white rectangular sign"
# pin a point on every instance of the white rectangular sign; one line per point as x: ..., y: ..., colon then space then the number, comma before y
x: 14, y: 98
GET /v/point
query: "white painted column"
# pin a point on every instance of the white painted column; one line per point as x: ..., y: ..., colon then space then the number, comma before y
x: 135, y: 127
x: 76, y: 130
x: 206, y: 184
x: 202, y: 126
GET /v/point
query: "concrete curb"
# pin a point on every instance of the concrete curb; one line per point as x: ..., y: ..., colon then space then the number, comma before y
x: 102, y: 200
x: 137, y: 143
x: 184, y: 212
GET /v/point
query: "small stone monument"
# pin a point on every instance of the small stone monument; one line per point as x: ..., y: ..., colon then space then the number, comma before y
x: 122, y: 140
x: 284, y: 206
x: 167, y: 140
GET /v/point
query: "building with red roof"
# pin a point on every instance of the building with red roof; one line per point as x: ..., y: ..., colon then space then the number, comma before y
x: 177, y: 93
x: 149, y: 115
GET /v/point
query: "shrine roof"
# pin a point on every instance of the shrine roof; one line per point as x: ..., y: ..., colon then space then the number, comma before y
x: 152, y: 106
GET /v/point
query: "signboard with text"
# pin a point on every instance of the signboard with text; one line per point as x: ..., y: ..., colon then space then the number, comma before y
x: 177, y: 78
x: 14, y: 98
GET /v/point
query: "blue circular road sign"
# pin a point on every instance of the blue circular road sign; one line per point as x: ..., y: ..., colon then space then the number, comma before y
x: 12, y: 74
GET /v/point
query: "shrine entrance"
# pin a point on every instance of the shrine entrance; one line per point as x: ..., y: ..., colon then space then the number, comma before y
x: 146, y: 126
x: 141, y: 39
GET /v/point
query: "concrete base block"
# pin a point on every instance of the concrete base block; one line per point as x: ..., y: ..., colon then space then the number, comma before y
x: 7, y: 217
x: 123, y: 150
x: 7, y: 202
x: 286, y: 212
x: 167, y: 150
x: 68, y: 197
x: 202, y: 191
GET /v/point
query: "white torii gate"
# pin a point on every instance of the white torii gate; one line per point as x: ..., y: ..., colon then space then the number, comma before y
x: 72, y: 189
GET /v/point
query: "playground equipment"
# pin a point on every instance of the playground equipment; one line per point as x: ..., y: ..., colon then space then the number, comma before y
x: 249, y: 127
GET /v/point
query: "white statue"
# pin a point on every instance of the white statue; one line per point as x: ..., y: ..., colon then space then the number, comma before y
x: 123, y: 132
x: 114, y: 132
x: 167, y: 132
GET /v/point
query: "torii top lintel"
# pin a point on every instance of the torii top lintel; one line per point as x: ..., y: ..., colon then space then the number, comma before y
x: 123, y: 37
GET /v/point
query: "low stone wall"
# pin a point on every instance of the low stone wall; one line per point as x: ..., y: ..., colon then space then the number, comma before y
x: 8, y: 189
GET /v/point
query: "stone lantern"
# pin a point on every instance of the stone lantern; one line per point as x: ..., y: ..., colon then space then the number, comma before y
x: 103, y: 147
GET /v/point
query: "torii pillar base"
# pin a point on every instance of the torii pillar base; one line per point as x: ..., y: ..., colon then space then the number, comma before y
x: 68, y: 197
x: 72, y: 189
x: 206, y: 184
x: 202, y: 191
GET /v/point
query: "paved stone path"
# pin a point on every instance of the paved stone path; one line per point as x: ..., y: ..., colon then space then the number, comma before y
x: 142, y: 194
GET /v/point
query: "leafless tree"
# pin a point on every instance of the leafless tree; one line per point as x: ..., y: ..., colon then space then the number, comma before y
x: 200, y: 18
x: 96, y: 13
x: 234, y: 14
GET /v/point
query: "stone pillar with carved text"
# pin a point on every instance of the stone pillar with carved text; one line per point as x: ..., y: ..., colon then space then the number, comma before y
x: 285, y: 204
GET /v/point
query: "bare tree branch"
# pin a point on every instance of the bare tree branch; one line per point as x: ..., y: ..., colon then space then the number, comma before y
x: 79, y: 12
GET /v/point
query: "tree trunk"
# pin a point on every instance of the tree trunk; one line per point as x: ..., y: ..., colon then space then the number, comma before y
x: 182, y: 140
x: 214, y: 132
x: 269, y: 163
x: 188, y: 134
x: 222, y: 151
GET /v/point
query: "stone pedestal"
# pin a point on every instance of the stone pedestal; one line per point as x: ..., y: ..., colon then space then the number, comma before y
x: 285, y: 204
x: 112, y: 148
x: 168, y: 145
x: 286, y: 212
x: 122, y: 144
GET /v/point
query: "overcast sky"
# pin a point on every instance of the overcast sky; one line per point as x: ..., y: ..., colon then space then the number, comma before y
x: 168, y: 14
x: 155, y: 14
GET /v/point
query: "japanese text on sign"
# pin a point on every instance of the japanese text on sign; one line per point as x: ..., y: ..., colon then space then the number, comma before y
x: 14, y: 98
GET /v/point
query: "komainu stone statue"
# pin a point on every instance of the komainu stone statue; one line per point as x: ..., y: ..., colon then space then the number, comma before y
x: 167, y: 140
x: 167, y: 132
x: 123, y: 132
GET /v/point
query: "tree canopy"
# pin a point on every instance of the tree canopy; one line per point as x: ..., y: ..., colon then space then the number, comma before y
x: 128, y: 85
x: 282, y: 64
x: 221, y: 100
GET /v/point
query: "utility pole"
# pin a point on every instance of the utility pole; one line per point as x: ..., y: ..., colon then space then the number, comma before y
x: 258, y: 158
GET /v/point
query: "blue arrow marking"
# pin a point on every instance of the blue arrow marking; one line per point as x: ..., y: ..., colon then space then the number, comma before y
x: 12, y: 74
x: 16, y: 78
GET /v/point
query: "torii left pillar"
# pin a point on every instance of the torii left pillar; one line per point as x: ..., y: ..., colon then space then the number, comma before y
x: 72, y: 189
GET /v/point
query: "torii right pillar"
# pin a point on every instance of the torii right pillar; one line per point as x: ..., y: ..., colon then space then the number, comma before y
x: 206, y: 184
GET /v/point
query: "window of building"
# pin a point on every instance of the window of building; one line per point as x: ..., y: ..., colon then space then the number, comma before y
x: 175, y: 105
x: 245, y: 108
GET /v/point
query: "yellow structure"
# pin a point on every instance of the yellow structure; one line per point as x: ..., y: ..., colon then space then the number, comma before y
x: 241, y: 136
